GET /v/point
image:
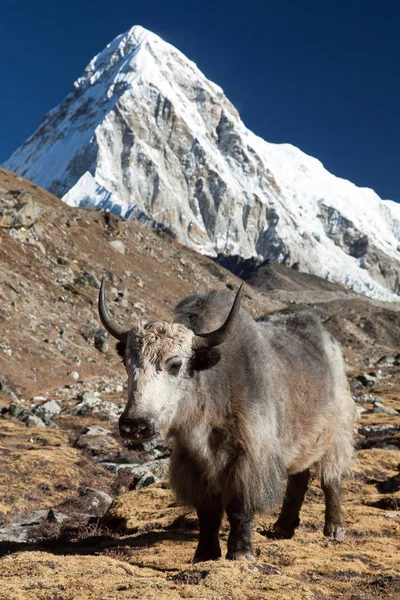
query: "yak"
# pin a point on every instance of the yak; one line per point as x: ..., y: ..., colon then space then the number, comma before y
x: 248, y: 407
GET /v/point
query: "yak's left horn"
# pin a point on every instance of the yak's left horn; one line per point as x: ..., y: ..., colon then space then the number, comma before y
x: 217, y: 337
x: 112, y: 327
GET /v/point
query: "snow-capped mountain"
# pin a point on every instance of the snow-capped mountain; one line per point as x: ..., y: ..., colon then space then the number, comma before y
x: 145, y: 133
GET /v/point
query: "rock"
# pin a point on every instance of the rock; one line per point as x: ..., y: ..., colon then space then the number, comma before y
x: 160, y: 468
x: 34, y: 421
x: 390, y: 486
x: 23, y: 218
x: 74, y: 375
x: 18, y: 410
x: 7, y: 388
x: 367, y: 380
x: 380, y: 408
x: 119, y: 458
x: 14, y: 534
x: 360, y: 410
x: 95, y: 439
x: 88, y: 506
x: 155, y: 443
x: 136, y: 478
x: 385, y: 361
x: 355, y: 385
x: 140, y: 306
x: 118, y: 246
x: 378, y: 430
x: 369, y: 399
x: 22, y: 529
x: 22, y: 413
x: 99, y: 501
x: 87, y: 279
x: 137, y: 279
x: 390, y: 447
x: 47, y: 411
x: 111, y: 388
x: 6, y: 348
x: 94, y: 335
x: 144, y: 478
x: 56, y: 516
x: 30, y: 213
x: 141, y: 475
x: 92, y: 404
x: 31, y: 518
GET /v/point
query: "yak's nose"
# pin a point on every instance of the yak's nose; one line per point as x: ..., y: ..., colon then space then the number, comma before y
x: 136, y: 429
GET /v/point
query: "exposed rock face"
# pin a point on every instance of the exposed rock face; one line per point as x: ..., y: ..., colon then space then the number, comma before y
x: 144, y: 134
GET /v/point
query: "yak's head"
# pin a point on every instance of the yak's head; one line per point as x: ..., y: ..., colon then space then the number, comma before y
x: 161, y: 360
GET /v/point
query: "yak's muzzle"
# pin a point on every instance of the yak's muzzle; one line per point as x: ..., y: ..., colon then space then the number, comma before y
x: 137, y: 430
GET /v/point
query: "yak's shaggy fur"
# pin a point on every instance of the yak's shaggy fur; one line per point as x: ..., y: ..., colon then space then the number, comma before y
x: 277, y: 402
x: 246, y: 419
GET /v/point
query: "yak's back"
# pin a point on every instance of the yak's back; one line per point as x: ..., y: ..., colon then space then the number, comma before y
x: 301, y: 338
x: 204, y: 312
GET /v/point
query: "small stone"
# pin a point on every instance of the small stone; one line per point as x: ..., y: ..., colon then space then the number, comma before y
x: 380, y: 408
x: 360, y: 410
x: 56, y: 516
x: 371, y: 431
x: 34, y: 421
x: 367, y: 380
x: 95, y: 439
x: 140, y: 306
x: 370, y: 399
x: 90, y: 403
x: 74, y: 375
x: 30, y: 213
x: 145, y: 480
x: 118, y: 246
x: 87, y: 506
x: 385, y: 361
x: 100, y: 500
x: 96, y: 336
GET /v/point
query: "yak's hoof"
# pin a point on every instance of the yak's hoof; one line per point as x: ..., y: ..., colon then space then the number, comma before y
x: 204, y: 556
x: 280, y: 533
x: 243, y: 555
x: 334, y: 532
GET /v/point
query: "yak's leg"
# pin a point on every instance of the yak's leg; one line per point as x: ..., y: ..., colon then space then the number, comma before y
x: 334, y: 521
x: 289, y: 519
x: 239, y: 541
x: 209, y: 511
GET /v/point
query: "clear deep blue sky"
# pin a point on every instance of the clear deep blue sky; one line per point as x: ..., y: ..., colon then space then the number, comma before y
x: 323, y: 75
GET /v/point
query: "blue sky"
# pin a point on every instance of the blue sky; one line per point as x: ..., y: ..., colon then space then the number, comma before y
x: 323, y: 75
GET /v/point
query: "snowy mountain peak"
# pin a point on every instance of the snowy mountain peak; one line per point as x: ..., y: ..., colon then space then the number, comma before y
x: 144, y: 134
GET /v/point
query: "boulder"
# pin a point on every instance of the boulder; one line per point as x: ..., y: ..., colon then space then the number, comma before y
x: 47, y: 411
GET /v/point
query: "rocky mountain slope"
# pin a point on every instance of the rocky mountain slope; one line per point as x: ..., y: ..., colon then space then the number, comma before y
x: 82, y: 516
x: 144, y: 134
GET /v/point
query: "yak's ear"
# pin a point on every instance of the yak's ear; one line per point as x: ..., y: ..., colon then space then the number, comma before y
x: 205, y: 359
x: 121, y: 347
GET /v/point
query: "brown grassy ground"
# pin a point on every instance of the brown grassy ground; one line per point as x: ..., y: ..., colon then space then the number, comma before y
x: 151, y: 557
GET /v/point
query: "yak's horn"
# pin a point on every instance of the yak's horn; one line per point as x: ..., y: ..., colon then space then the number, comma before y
x: 217, y: 337
x: 112, y: 327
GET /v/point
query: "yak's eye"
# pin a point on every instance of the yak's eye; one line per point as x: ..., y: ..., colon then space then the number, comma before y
x: 174, y: 366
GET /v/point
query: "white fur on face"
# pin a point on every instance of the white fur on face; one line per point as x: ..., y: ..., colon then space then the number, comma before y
x: 155, y: 385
